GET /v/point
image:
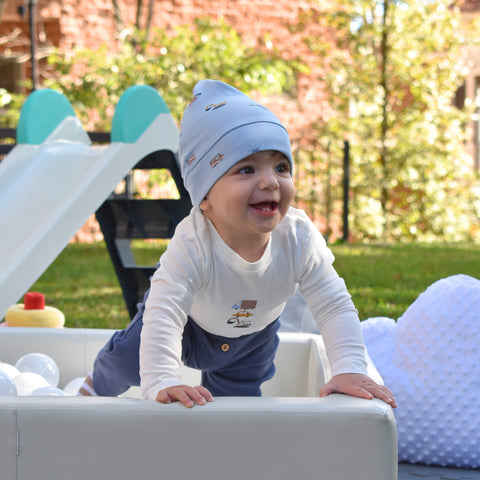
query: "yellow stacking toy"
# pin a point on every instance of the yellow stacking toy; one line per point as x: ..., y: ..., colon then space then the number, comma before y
x: 34, y: 313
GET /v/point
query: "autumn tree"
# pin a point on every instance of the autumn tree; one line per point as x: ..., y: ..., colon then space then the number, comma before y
x: 394, y: 68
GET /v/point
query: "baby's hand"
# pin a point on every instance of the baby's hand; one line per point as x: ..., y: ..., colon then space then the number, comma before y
x: 185, y: 394
x: 357, y: 385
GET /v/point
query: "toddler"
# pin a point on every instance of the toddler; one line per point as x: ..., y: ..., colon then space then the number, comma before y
x: 234, y: 261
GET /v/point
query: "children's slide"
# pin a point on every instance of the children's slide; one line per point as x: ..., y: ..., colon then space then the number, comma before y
x: 54, y: 178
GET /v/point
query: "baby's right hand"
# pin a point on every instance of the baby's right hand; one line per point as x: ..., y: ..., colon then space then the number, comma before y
x: 185, y: 394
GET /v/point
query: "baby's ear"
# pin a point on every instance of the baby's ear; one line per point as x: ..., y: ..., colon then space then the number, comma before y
x: 205, y: 205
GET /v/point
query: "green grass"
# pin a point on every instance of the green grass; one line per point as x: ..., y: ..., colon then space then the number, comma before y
x: 383, y: 280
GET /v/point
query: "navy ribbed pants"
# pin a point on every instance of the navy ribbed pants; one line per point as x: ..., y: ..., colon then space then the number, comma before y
x: 230, y: 366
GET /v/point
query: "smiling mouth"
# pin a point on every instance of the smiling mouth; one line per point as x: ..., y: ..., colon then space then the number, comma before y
x: 267, y: 207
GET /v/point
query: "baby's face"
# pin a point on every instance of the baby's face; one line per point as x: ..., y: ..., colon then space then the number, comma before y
x: 251, y: 199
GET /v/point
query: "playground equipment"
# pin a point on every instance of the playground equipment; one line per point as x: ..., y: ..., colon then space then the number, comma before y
x: 286, y: 434
x: 54, y: 179
x: 123, y: 219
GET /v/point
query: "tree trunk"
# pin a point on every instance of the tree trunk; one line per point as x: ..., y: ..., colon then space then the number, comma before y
x: 148, y: 25
x: 2, y: 5
x: 384, y: 51
x: 117, y: 16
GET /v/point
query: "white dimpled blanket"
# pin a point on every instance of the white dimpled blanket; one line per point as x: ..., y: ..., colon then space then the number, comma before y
x: 430, y: 359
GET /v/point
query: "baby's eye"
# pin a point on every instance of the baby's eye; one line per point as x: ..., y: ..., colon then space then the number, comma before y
x: 283, y: 168
x: 245, y: 170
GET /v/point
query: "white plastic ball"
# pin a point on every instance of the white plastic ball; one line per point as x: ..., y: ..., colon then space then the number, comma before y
x: 49, y: 392
x: 40, y: 364
x: 7, y: 385
x: 73, y: 386
x: 10, y: 370
x: 27, y: 382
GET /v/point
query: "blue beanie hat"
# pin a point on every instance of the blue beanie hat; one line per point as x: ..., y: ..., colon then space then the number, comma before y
x: 220, y: 127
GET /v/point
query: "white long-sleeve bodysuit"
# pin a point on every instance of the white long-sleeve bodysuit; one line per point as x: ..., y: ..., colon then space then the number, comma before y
x: 202, y: 277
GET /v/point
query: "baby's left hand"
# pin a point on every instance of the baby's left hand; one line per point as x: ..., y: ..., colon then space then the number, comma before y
x: 357, y: 385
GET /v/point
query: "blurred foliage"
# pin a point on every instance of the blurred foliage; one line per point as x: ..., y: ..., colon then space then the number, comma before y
x: 172, y: 61
x: 10, y: 104
x: 391, y: 70
x: 394, y: 69
x: 318, y: 183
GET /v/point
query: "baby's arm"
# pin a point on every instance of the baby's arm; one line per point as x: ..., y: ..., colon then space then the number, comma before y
x: 185, y: 394
x: 338, y: 322
x: 164, y: 319
x: 357, y: 385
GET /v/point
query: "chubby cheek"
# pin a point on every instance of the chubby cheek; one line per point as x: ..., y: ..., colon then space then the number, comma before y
x: 289, y: 192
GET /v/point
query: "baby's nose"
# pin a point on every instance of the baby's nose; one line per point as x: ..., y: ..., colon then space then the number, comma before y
x: 268, y: 180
